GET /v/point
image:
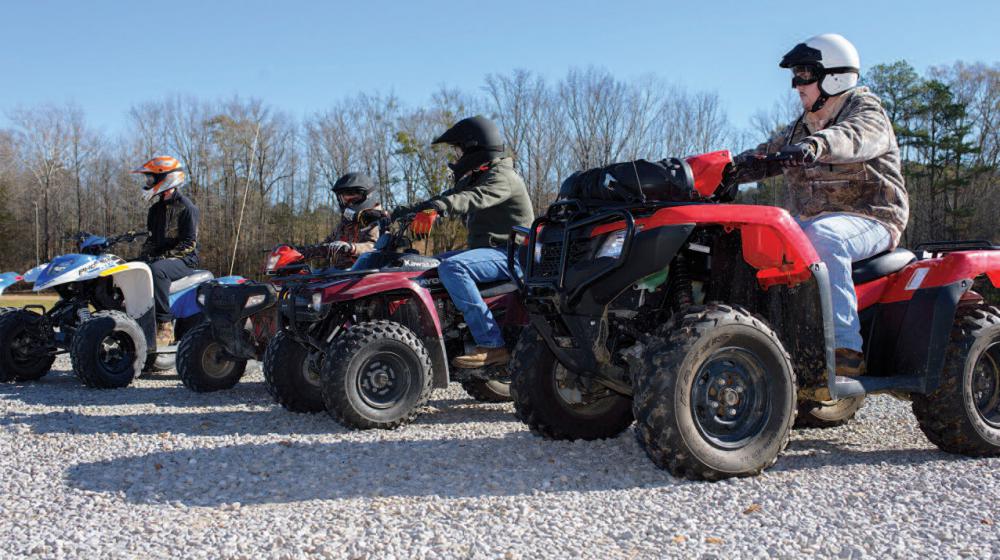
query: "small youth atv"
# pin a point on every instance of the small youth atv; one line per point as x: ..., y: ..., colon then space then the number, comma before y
x: 103, y: 318
x: 711, y: 324
x: 369, y: 344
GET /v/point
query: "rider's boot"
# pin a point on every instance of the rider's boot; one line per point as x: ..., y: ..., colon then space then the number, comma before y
x: 482, y: 357
x: 164, y: 334
x: 850, y: 363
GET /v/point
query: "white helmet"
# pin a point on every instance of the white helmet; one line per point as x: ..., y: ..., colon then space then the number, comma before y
x: 829, y: 59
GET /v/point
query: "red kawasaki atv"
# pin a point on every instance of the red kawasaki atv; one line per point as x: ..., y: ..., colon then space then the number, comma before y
x: 369, y: 344
x: 711, y: 323
x: 240, y: 319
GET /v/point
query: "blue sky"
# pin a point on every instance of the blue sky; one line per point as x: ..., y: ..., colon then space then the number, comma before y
x: 302, y: 56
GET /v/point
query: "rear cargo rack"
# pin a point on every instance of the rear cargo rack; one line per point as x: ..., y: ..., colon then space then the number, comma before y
x: 940, y: 247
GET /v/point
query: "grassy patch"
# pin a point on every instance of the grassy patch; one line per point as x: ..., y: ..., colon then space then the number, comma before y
x: 18, y: 300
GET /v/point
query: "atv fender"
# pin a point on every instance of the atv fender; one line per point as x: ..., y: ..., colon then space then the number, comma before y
x: 401, y: 287
x: 135, y: 281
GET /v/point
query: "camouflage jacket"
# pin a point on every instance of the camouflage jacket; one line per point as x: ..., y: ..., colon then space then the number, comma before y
x: 493, y: 199
x: 362, y: 233
x: 857, y: 168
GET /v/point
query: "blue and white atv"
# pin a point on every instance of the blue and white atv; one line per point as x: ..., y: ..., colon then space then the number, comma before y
x: 104, y: 318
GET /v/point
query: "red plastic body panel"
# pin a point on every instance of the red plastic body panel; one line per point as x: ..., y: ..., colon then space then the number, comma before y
x: 708, y: 169
x: 286, y: 256
x: 942, y: 271
x: 381, y: 282
x: 773, y: 242
x: 870, y: 293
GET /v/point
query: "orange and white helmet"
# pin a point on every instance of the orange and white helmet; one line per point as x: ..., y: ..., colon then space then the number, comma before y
x: 163, y: 173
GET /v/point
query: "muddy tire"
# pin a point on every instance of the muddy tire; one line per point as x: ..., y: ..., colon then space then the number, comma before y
x: 487, y: 391
x: 716, y: 398
x: 963, y: 414
x: 290, y: 377
x: 552, y: 403
x: 202, y: 364
x: 376, y: 375
x: 108, y: 350
x: 20, y: 333
x: 828, y: 415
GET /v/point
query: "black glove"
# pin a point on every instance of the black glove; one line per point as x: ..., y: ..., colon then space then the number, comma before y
x: 796, y: 155
x: 400, y: 211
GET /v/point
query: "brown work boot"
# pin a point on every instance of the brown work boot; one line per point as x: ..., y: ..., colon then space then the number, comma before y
x: 482, y: 357
x: 850, y: 363
x: 164, y: 334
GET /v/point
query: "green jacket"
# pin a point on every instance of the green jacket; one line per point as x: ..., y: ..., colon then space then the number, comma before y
x: 492, y: 200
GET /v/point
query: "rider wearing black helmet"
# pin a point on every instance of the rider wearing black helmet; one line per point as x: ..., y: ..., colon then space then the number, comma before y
x: 358, y: 228
x: 492, y: 198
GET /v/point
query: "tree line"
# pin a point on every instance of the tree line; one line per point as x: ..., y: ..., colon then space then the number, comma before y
x: 60, y: 175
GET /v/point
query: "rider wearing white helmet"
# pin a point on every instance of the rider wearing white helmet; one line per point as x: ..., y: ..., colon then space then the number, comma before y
x: 842, y: 172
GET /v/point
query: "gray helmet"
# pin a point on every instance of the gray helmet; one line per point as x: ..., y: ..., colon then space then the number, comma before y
x: 358, y: 183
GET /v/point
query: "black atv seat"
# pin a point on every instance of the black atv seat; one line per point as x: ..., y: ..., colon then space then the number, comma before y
x: 491, y: 289
x: 198, y: 277
x: 882, y: 264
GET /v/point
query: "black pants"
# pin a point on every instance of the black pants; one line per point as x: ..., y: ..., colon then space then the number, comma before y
x: 166, y: 271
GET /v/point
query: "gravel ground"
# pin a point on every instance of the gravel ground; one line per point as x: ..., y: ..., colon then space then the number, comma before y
x: 156, y: 471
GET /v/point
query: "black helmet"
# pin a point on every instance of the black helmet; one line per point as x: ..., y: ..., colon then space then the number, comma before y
x: 479, y: 140
x: 355, y: 183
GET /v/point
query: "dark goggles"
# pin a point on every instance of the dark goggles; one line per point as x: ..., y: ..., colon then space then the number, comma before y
x: 805, y: 74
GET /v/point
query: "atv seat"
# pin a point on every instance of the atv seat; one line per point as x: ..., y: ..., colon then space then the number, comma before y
x: 882, y: 264
x: 198, y: 277
x: 492, y: 289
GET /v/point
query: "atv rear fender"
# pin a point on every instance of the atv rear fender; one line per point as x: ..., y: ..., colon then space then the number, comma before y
x: 403, y: 291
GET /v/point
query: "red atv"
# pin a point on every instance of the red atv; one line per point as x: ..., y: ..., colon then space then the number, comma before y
x: 711, y: 323
x: 240, y: 319
x: 369, y: 344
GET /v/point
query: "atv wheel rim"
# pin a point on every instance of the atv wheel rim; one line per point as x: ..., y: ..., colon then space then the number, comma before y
x: 986, y: 385
x: 21, y: 349
x: 213, y: 363
x: 383, y: 380
x: 729, y: 398
x: 116, y: 353
x: 310, y: 373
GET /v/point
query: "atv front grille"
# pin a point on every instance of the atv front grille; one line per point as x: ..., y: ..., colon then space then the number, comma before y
x: 548, y: 266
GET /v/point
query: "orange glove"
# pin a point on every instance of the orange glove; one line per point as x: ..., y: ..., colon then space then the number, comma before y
x: 423, y: 222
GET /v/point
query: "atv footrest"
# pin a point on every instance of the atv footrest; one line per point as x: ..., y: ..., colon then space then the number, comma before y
x: 844, y: 387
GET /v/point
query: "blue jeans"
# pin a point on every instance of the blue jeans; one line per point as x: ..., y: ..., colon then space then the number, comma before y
x: 840, y: 240
x: 460, y: 272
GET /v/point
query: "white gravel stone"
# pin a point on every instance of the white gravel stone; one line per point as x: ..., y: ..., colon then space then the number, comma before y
x: 157, y: 471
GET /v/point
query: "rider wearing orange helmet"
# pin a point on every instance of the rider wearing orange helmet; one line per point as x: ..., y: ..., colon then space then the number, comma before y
x: 172, y: 246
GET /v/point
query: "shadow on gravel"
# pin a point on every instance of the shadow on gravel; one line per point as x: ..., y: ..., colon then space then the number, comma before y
x: 273, y: 420
x: 286, y: 472
x: 67, y: 390
x: 815, y: 452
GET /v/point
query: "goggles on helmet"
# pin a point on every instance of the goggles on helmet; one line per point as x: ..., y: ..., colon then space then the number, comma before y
x: 805, y: 74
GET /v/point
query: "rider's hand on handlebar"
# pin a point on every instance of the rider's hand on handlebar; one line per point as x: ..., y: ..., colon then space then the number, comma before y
x: 335, y: 247
x: 424, y: 221
x: 796, y: 155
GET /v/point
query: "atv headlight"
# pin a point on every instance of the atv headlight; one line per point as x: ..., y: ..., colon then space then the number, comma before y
x: 254, y: 300
x: 201, y: 299
x: 317, y: 301
x: 612, y: 246
x: 272, y: 262
x: 538, y: 252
